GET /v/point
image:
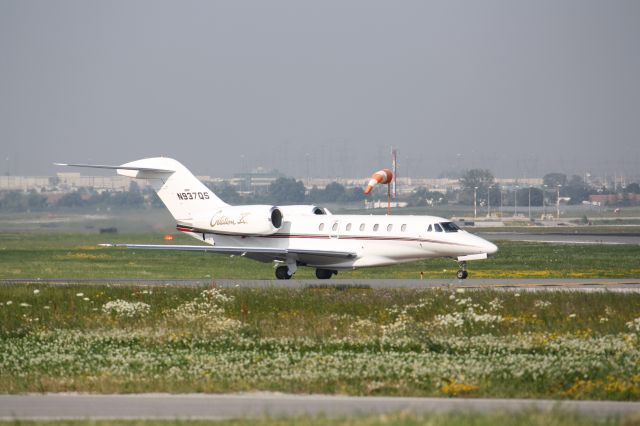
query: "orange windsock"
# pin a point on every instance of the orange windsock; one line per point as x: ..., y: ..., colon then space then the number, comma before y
x: 381, y: 176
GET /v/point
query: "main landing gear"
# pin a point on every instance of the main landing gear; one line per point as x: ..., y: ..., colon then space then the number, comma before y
x: 325, y: 274
x: 462, y: 272
x: 282, y: 273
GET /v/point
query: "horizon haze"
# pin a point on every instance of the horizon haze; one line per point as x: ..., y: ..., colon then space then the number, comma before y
x: 322, y: 89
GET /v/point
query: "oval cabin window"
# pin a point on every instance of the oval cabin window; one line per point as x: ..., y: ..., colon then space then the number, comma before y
x: 389, y: 227
x: 375, y: 227
x: 321, y: 227
x: 362, y: 227
x: 348, y: 228
x: 334, y: 227
x: 403, y: 227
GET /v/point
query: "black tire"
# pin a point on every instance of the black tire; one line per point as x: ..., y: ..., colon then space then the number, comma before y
x: 282, y: 273
x: 462, y: 274
x: 324, y: 274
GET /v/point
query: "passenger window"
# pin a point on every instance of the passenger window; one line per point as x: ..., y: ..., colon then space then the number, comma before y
x: 321, y: 227
x: 334, y: 227
x: 348, y: 228
x: 437, y: 227
x: 389, y: 227
x: 403, y: 227
x: 429, y: 229
x: 375, y: 227
x: 362, y: 226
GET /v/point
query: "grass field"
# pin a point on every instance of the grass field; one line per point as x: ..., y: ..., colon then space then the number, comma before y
x: 51, y: 255
x: 533, y: 418
x: 356, y: 341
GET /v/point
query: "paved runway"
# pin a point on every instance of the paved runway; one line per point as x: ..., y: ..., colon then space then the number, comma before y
x: 532, y: 284
x: 579, y: 237
x: 208, y: 406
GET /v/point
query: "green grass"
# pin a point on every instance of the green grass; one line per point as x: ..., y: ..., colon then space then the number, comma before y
x: 415, y: 342
x: 531, y: 418
x: 50, y: 255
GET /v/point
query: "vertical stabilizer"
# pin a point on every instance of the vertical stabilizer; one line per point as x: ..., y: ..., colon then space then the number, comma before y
x: 180, y: 191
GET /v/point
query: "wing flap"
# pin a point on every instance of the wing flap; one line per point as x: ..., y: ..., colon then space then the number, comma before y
x: 269, y: 251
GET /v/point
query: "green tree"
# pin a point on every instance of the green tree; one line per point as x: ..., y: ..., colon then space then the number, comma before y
x: 421, y: 197
x: 475, y: 179
x: 226, y: 192
x: 576, y: 189
x: 633, y: 188
x: 552, y: 180
x: 286, y: 190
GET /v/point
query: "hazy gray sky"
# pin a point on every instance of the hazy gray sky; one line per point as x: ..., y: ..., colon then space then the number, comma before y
x: 325, y: 87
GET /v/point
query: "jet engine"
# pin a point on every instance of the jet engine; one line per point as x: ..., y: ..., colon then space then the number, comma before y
x: 242, y: 220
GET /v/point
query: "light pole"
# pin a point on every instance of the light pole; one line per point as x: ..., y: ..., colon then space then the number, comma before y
x: 475, y: 209
x: 558, y: 203
x: 501, y: 192
x: 489, y: 201
x: 529, y: 203
x: 515, y: 203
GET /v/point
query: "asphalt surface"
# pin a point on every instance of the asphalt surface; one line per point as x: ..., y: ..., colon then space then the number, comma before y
x: 579, y: 237
x: 208, y: 406
x: 529, y: 284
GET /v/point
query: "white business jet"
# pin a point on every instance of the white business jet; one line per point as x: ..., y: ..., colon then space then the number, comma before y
x: 299, y: 235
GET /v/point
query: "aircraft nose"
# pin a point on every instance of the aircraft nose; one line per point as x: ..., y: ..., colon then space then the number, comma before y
x: 490, y: 248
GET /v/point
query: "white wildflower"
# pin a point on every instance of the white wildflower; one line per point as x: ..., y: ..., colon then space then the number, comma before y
x: 25, y: 305
x: 86, y: 299
x: 460, y: 290
x: 470, y: 317
x: 122, y: 308
x: 603, y: 320
x: 495, y: 304
x: 572, y: 316
x: 634, y: 325
x: 462, y: 302
x: 36, y: 291
x: 79, y: 294
x: 9, y: 302
x: 541, y: 304
x: 516, y: 295
x: 207, y: 309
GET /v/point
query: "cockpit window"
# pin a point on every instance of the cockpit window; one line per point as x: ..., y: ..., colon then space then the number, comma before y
x: 430, y: 228
x: 450, y: 227
x: 437, y: 227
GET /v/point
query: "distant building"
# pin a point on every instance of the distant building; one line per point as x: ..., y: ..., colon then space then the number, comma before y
x: 603, y: 199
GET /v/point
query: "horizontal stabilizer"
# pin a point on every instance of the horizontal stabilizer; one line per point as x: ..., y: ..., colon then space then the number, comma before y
x: 102, y: 166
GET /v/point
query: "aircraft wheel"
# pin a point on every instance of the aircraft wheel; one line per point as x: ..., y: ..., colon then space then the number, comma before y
x: 282, y: 273
x: 462, y: 274
x: 324, y: 274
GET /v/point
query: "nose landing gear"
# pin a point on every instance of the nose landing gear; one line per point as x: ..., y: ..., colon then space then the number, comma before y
x: 462, y: 272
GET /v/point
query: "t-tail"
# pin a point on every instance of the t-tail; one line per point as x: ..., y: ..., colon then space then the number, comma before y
x: 180, y: 191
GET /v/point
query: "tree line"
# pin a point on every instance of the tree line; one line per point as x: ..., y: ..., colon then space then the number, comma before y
x: 286, y: 190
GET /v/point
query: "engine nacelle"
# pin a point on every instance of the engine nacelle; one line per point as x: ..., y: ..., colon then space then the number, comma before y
x: 302, y: 209
x: 242, y: 220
